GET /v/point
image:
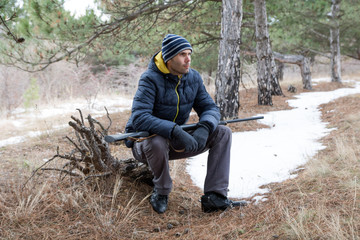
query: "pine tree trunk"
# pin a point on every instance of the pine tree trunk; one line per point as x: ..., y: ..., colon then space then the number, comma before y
x: 276, y: 89
x: 266, y: 67
x: 306, y: 73
x: 228, y: 74
x: 335, y: 42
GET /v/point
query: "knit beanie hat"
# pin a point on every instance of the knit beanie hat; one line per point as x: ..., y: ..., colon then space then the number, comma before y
x: 172, y: 45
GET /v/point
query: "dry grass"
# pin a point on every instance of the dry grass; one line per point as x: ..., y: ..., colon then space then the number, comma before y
x: 325, y: 204
x: 321, y: 203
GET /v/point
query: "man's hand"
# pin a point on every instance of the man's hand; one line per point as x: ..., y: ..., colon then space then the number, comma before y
x: 201, y: 135
x: 184, y: 139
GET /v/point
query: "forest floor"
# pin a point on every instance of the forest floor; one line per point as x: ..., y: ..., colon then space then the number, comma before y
x: 320, y: 203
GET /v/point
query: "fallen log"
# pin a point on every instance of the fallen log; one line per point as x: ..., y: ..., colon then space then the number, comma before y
x: 301, y: 61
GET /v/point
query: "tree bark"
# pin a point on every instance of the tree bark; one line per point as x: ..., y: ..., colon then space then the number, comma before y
x: 228, y: 74
x: 306, y: 73
x: 275, y: 85
x: 280, y: 70
x: 266, y: 68
x: 335, y: 42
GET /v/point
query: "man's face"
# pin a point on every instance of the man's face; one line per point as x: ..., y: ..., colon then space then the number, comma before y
x: 180, y: 64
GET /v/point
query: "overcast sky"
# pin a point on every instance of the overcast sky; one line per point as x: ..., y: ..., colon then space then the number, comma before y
x: 79, y: 7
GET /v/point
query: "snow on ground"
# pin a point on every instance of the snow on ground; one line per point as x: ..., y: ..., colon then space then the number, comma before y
x: 271, y: 155
x: 54, y: 116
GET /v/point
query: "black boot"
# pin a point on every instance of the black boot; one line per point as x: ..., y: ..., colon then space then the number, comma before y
x: 159, y: 202
x: 212, y: 201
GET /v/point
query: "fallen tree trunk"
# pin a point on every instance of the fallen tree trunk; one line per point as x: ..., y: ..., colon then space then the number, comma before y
x: 301, y: 61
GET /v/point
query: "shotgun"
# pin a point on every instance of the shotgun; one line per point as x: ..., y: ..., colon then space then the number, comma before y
x: 185, y: 127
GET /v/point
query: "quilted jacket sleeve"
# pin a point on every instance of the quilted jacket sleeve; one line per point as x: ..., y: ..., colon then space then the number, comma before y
x: 142, y: 111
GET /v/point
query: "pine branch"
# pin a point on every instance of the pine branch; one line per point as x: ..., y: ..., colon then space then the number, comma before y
x: 18, y: 40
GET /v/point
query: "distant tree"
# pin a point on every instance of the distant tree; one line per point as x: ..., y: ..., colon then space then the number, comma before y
x: 304, y: 27
x: 349, y: 28
x: 299, y: 27
x: 334, y: 16
x: 281, y: 53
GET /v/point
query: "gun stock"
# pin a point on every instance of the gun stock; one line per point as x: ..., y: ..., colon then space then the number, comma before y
x: 123, y: 136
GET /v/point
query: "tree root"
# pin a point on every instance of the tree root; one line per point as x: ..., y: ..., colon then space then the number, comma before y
x: 91, y: 156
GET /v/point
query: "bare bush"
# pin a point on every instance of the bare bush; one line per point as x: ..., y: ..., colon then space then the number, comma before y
x: 63, y: 80
x: 57, y: 82
x: 12, y: 86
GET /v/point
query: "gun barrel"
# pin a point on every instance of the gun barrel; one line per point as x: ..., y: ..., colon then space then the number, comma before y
x: 240, y: 120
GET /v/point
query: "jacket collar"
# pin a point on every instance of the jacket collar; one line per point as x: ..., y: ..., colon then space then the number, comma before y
x: 159, y: 62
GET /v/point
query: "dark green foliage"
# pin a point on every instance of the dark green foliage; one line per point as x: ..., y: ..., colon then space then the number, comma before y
x: 136, y: 28
x: 303, y: 27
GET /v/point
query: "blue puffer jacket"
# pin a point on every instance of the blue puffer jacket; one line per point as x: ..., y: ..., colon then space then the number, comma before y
x: 163, y: 100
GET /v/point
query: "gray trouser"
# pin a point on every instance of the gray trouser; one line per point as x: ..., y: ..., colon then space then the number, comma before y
x: 156, y: 152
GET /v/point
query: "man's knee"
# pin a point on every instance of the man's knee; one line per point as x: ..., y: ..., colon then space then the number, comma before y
x: 156, y: 144
x: 147, y: 149
x: 223, y: 131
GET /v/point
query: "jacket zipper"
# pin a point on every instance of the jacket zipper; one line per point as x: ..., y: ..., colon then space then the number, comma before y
x: 178, y: 97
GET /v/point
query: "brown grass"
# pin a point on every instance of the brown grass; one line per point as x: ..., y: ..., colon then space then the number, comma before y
x: 321, y: 203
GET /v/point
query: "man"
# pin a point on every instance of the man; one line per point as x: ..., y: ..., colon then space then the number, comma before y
x: 166, y: 94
